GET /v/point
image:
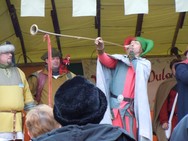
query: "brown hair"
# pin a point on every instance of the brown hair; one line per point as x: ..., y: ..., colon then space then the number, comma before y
x: 40, y: 120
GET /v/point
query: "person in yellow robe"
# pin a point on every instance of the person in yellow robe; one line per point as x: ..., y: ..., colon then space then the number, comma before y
x: 15, y: 95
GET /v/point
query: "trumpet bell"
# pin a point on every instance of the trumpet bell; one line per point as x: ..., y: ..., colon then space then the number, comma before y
x: 34, y: 29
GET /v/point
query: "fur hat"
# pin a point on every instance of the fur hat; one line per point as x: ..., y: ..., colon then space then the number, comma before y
x: 146, y: 44
x: 55, y: 53
x: 6, y: 47
x: 79, y: 102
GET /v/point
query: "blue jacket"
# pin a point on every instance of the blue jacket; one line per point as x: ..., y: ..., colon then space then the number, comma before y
x: 182, y: 85
x: 180, y: 131
x: 89, y: 132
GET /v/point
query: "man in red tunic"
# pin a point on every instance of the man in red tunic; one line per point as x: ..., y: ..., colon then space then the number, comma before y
x: 123, y: 78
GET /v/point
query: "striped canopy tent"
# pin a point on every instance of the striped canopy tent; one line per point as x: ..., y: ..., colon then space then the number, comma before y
x: 166, y: 27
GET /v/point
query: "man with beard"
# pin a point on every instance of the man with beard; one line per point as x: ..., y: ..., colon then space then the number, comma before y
x: 15, y: 95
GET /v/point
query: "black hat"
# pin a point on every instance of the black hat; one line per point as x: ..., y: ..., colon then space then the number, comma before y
x: 55, y: 53
x: 79, y: 101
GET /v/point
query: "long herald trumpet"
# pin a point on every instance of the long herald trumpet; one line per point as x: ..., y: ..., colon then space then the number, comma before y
x: 34, y: 30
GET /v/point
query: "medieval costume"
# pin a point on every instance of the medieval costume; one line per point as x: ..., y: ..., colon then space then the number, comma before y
x: 38, y: 81
x: 15, y: 96
x: 35, y: 80
x: 124, y: 81
x: 163, y: 105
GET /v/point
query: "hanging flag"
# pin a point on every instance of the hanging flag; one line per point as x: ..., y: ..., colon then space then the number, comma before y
x: 181, y: 5
x: 84, y: 8
x: 32, y: 8
x: 135, y: 7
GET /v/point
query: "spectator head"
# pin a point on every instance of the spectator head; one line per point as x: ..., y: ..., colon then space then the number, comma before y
x: 78, y: 101
x: 40, y: 120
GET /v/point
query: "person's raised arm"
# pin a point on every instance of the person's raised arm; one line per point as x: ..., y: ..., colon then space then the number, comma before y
x: 103, y: 57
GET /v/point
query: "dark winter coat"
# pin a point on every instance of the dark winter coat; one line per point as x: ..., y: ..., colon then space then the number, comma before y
x: 182, y: 84
x: 89, y: 132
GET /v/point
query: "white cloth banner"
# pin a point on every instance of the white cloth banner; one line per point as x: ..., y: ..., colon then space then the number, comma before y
x: 135, y: 7
x: 84, y: 8
x: 32, y: 8
x: 181, y: 5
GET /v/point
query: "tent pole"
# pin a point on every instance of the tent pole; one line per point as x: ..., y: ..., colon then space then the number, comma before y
x: 98, y: 18
x: 56, y: 25
x: 17, y: 28
x: 178, y: 26
x: 139, y: 25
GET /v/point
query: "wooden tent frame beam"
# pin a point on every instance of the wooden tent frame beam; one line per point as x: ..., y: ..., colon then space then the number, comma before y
x: 98, y: 18
x: 56, y: 25
x: 139, y: 23
x: 17, y: 28
x: 178, y: 26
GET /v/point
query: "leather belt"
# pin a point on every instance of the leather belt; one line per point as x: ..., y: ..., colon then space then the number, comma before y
x: 122, y: 98
x: 14, y: 121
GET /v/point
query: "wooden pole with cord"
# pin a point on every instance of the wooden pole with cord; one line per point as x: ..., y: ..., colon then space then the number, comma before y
x: 47, y: 38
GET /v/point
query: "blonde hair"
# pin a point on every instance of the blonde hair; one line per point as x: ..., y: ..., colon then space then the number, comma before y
x: 40, y: 120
